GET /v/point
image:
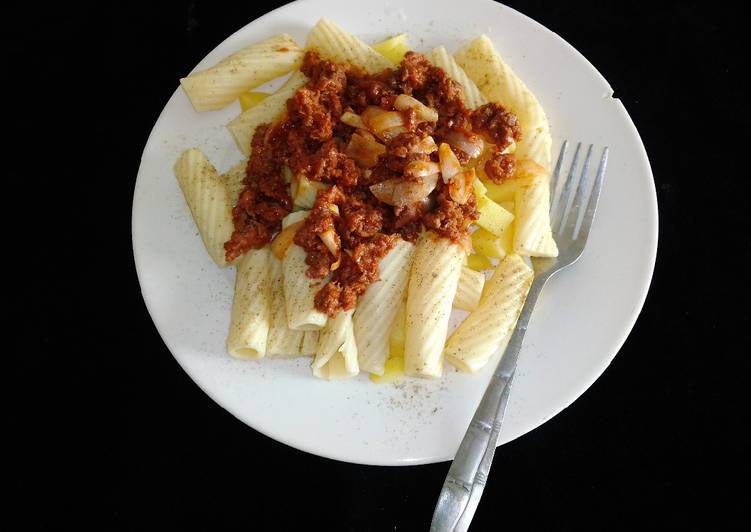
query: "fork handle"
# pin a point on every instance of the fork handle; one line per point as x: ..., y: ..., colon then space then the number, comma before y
x: 468, y: 473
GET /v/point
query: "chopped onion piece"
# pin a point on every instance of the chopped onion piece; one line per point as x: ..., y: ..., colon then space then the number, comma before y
x: 421, y: 168
x: 460, y: 186
x: 424, y: 113
x: 366, y: 134
x: 328, y: 237
x: 334, y: 208
x: 379, y: 120
x: 449, y: 163
x: 351, y: 119
x: 364, y: 150
x: 398, y: 192
x: 469, y: 143
x: 284, y: 239
x: 384, y: 190
x: 426, y: 145
x: 392, y: 132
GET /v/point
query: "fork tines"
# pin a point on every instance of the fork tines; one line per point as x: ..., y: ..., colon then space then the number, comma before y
x: 567, y: 217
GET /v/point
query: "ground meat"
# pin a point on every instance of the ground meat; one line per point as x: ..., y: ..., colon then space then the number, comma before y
x: 263, y: 161
x: 309, y: 114
x: 407, y: 220
x: 450, y: 219
x: 311, y: 140
x: 316, y: 108
x: 500, y: 167
x: 321, y: 218
x: 263, y: 202
x: 414, y: 72
x: 446, y: 95
x: 399, y: 152
x: 328, y: 164
x: 363, y: 90
x: 325, y: 76
x: 376, y: 175
x: 359, y: 220
x: 357, y: 271
x: 328, y: 297
x: 411, y: 231
x: 496, y: 124
x: 430, y: 84
x: 403, y: 144
x: 425, y: 129
x: 410, y: 119
x: 409, y: 213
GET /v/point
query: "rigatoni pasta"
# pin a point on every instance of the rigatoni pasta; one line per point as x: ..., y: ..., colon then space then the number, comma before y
x: 469, y: 289
x: 246, y: 69
x: 233, y: 180
x: 208, y: 199
x: 251, y: 309
x: 435, y: 274
x: 373, y: 202
x: 332, y: 42
x: 336, y: 354
x: 299, y: 293
x: 243, y: 127
x: 472, y: 95
x: 284, y: 342
x: 533, y: 235
x: 378, y: 306
x: 478, y: 337
x: 498, y: 82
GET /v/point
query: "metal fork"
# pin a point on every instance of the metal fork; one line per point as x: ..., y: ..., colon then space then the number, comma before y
x: 571, y: 219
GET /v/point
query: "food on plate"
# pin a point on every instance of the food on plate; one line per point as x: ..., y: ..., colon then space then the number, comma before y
x: 377, y: 186
x: 209, y: 201
x: 246, y: 69
x: 472, y: 344
x: 251, y: 98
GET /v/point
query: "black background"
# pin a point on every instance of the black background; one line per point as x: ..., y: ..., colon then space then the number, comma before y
x: 109, y: 431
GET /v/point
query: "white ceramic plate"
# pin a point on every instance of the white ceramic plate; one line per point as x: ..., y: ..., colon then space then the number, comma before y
x: 581, y: 320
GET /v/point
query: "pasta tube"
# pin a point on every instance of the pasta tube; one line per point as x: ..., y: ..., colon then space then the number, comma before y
x: 472, y: 95
x: 480, y: 335
x: 299, y: 289
x: 533, y: 235
x: 233, y: 180
x: 283, y: 342
x: 309, y: 343
x: 333, y: 43
x: 336, y: 354
x: 469, y: 289
x: 378, y: 306
x: 484, y: 65
x: 432, y: 285
x: 398, y: 333
x: 243, y: 126
x: 246, y: 69
x: 249, y: 325
x: 208, y: 199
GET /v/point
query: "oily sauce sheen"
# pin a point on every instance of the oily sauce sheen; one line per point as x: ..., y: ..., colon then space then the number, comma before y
x: 311, y: 140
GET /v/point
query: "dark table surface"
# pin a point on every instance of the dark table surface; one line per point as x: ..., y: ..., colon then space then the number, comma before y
x: 111, y: 431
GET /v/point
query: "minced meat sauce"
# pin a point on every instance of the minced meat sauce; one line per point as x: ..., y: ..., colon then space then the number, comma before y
x: 312, y: 140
